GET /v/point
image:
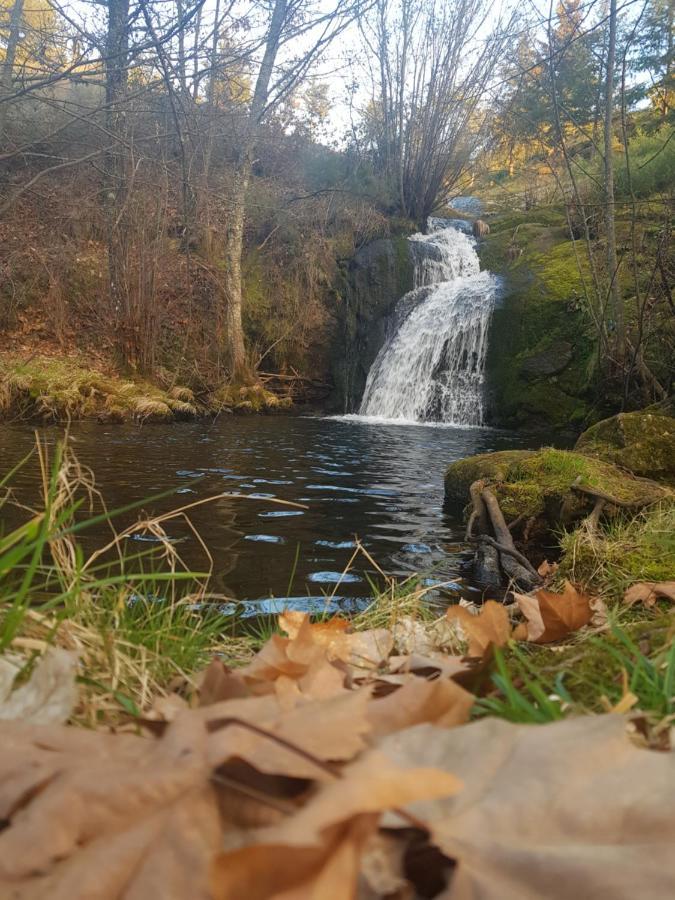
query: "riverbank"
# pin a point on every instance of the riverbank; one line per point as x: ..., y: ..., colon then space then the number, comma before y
x: 58, y: 389
x: 139, y: 619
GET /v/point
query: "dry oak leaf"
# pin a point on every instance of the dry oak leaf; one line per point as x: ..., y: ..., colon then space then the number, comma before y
x: 648, y: 592
x: 565, y: 810
x: 316, y: 852
x: 439, y: 701
x: 551, y: 617
x: 328, y: 871
x: 314, y: 647
x: 50, y: 694
x: 490, y: 627
x: 360, y: 649
x: 99, y: 815
x: 333, y: 728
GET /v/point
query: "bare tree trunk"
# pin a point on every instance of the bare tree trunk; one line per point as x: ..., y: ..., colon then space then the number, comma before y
x: 235, y: 348
x: 115, y: 186
x: 15, y: 18
x: 615, y: 298
x: 235, y: 353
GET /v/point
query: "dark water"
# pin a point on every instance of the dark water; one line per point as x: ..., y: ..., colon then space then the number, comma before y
x: 382, y: 483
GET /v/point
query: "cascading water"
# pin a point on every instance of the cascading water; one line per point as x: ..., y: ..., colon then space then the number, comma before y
x: 433, y: 368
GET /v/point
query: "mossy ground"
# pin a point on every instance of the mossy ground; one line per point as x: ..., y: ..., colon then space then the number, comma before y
x: 538, y: 483
x: 626, y: 550
x: 56, y: 389
x: 643, y: 442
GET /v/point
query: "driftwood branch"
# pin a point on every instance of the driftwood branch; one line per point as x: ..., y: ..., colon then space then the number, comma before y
x: 498, y: 553
x: 510, y: 551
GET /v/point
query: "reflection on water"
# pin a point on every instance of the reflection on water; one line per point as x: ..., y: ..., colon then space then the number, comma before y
x: 380, y: 483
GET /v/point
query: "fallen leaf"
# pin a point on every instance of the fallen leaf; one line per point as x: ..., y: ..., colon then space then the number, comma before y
x: 105, y: 815
x: 490, y: 627
x: 551, y: 617
x: 648, y: 592
x: 547, y: 569
x: 440, y: 701
x: 218, y: 682
x: 327, y: 871
x: 330, y: 729
x: 567, y: 810
x: 50, y: 694
x: 432, y: 665
x: 316, y: 852
x: 311, y: 648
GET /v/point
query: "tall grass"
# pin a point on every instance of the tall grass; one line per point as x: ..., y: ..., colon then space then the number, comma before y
x: 137, y: 620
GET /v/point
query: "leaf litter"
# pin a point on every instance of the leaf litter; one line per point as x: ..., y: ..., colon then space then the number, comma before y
x: 331, y: 767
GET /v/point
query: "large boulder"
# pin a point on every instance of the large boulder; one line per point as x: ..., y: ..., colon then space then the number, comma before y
x: 547, y: 486
x: 643, y: 442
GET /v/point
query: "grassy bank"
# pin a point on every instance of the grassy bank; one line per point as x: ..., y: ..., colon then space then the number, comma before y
x: 60, y: 389
x: 143, y: 626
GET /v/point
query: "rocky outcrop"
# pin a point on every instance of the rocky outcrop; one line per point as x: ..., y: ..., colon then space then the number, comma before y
x: 541, y: 355
x: 643, y: 442
x: 551, y: 361
x: 369, y: 287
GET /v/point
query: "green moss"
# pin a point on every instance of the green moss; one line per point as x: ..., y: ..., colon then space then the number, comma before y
x: 538, y: 484
x: 541, y: 360
x: 57, y: 389
x: 643, y: 442
x: 628, y: 549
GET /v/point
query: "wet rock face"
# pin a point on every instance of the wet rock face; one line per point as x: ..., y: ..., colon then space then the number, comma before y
x: 643, y: 442
x: 370, y: 285
x: 551, y: 362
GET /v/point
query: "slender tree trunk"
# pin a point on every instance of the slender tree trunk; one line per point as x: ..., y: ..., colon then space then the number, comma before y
x: 615, y: 298
x: 234, y: 248
x: 115, y: 183
x: 15, y: 18
x: 235, y: 353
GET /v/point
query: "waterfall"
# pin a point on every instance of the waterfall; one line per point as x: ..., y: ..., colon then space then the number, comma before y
x: 432, y: 369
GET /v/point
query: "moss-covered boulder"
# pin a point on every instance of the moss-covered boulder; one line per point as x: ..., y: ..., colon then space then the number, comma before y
x: 543, y: 485
x: 491, y: 467
x: 643, y: 442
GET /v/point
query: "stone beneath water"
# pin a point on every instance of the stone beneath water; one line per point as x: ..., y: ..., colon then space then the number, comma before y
x: 643, y: 442
x: 538, y: 484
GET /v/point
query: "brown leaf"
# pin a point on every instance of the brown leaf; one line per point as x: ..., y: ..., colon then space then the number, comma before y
x: 218, y: 682
x: 316, y: 852
x: 327, y: 871
x: 310, y: 651
x: 371, y: 784
x: 648, y: 592
x: 440, y: 701
x: 567, y: 810
x: 551, y: 617
x: 490, y: 627
x: 547, y: 569
x: 332, y: 728
x: 103, y: 815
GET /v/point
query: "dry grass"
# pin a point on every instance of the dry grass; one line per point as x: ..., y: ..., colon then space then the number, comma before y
x: 625, y: 550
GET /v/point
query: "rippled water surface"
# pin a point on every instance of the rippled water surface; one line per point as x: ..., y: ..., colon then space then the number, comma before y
x: 381, y: 483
